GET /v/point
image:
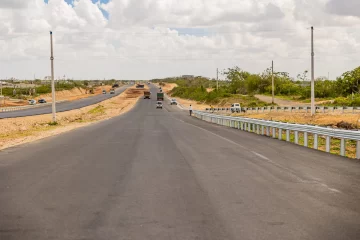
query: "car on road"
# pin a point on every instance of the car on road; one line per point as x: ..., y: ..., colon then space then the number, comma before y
x: 159, y: 104
x: 115, y: 85
x: 32, y: 102
x: 173, y: 102
x: 104, y: 92
x: 112, y: 91
x: 42, y: 101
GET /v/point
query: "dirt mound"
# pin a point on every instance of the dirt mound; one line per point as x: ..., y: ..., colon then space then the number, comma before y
x: 63, y: 95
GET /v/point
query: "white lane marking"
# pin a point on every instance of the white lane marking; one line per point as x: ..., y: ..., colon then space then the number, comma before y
x: 261, y: 156
x: 328, y: 188
x: 228, y: 140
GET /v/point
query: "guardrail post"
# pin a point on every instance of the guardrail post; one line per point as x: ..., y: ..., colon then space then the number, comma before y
x: 358, y: 150
x: 296, y: 137
x: 249, y: 127
x: 305, y: 139
x: 287, y: 135
x: 238, y: 124
x: 257, y: 129
x: 280, y: 134
x: 316, y: 146
x: 262, y: 130
x: 323, y: 109
x: 342, y: 147
x: 328, y: 139
x: 267, y: 131
x: 253, y: 127
x: 274, y: 132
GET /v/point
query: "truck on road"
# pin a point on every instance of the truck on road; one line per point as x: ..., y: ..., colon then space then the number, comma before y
x: 160, y: 96
x: 147, y: 94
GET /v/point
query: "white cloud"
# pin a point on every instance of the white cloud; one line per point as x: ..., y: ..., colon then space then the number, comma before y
x: 158, y: 38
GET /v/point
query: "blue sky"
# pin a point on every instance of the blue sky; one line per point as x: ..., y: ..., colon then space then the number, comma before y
x: 106, y: 14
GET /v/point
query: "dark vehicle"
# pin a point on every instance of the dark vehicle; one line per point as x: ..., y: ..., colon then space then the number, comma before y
x: 160, y: 96
x: 140, y: 86
x: 147, y: 94
x: 104, y: 92
x: 42, y: 101
x: 115, y: 85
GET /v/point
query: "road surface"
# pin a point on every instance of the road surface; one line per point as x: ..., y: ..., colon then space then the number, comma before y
x: 62, y: 107
x: 160, y: 174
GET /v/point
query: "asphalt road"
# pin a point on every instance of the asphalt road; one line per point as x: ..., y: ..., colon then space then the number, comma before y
x: 63, y: 106
x: 160, y: 174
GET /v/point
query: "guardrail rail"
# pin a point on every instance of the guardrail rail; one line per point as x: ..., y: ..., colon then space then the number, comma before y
x: 276, y: 129
x: 292, y: 109
x: 11, y: 109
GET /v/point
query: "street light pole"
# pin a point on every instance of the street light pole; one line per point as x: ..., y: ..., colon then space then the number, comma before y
x: 217, y: 79
x: 52, y: 79
x: 272, y: 81
x: 312, y: 74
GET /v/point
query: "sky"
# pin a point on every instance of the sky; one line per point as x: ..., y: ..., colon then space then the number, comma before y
x: 146, y: 39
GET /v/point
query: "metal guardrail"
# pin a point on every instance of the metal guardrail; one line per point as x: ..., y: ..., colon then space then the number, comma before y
x: 290, y: 109
x: 11, y: 109
x: 270, y: 128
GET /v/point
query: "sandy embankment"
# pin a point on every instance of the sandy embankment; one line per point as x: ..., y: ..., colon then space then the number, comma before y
x: 14, y: 131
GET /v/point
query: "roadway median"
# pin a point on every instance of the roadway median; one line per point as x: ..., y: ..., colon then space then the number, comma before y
x: 15, y: 131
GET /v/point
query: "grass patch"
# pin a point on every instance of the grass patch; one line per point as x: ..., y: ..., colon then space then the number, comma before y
x: 97, y: 110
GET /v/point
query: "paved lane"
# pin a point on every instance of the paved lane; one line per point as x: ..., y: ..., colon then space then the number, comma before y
x: 159, y: 174
x: 62, y: 107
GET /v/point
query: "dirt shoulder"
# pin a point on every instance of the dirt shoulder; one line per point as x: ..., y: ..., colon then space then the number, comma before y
x: 280, y: 102
x: 15, y: 131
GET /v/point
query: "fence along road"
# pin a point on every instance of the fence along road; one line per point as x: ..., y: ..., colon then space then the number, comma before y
x: 62, y: 107
x: 272, y: 128
x: 320, y: 109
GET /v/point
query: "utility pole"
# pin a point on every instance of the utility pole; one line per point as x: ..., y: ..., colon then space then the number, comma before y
x: 312, y: 74
x: 217, y: 79
x: 52, y: 79
x: 272, y: 81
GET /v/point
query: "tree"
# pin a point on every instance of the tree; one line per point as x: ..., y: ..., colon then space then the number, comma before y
x: 349, y: 81
x: 303, y: 76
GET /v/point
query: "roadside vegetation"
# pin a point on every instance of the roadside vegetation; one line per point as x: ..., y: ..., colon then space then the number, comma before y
x: 25, y: 89
x: 242, y: 85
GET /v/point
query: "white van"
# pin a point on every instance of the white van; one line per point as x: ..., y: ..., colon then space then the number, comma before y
x: 235, y: 107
